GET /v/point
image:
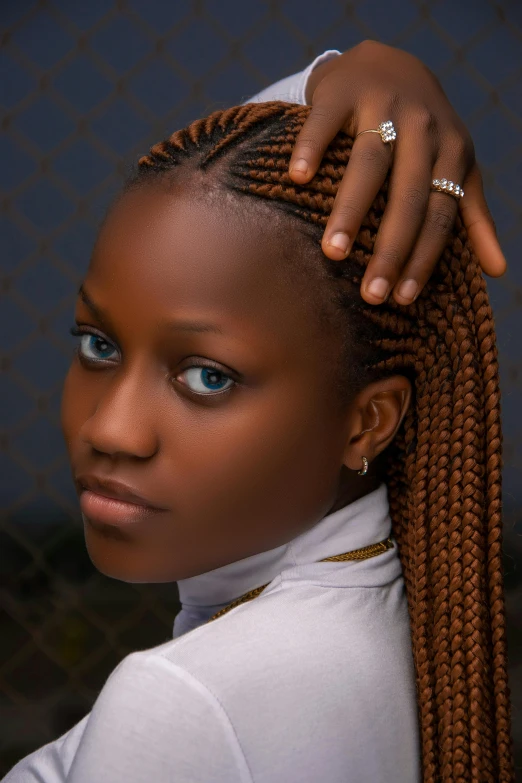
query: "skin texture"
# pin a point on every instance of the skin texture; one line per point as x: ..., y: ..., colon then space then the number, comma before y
x: 367, y: 84
x: 238, y: 472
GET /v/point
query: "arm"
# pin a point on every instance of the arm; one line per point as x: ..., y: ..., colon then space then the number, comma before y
x: 155, y: 722
x: 50, y: 763
x: 151, y: 722
x: 353, y: 92
x: 294, y: 89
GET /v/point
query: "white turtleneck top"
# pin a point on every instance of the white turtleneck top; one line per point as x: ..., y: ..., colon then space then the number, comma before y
x: 310, y: 682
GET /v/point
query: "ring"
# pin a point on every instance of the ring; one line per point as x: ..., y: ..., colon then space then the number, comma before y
x: 385, y: 130
x: 447, y: 186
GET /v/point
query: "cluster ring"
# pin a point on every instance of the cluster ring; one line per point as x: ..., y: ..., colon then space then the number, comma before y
x: 449, y: 187
x: 385, y: 130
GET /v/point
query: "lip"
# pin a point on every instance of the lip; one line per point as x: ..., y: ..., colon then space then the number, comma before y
x: 116, y: 490
x: 111, y: 502
x: 108, y: 511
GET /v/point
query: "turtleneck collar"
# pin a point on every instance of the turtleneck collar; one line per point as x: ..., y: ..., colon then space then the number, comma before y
x: 363, y: 522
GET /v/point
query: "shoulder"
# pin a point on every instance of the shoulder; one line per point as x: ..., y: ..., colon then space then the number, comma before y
x: 295, y: 667
x: 251, y: 680
x: 144, y: 725
x: 282, y: 635
x: 156, y: 685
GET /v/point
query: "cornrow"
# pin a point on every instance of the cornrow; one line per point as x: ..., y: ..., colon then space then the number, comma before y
x: 443, y: 469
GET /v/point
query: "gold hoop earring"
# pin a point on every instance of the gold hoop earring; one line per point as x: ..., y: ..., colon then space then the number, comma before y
x: 364, y: 471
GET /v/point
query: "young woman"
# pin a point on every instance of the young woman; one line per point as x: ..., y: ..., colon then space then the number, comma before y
x: 321, y: 478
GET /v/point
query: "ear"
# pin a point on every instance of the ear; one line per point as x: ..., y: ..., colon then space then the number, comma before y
x: 374, y: 417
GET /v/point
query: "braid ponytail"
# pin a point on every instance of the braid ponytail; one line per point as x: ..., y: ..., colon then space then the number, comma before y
x: 443, y: 468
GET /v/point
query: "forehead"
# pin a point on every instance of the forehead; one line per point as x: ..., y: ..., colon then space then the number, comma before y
x: 180, y: 246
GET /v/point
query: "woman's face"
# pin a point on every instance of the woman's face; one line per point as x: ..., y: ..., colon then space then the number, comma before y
x: 203, y: 382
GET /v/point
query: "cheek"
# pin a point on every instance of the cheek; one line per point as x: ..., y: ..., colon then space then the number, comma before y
x: 273, y: 458
x: 68, y: 412
x: 74, y: 406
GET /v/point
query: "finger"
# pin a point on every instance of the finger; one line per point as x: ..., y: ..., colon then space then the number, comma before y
x: 405, y: 211
x: 440, y: 218
x: 480, y: 225
x: 321, y: 126
x: 366, y: 171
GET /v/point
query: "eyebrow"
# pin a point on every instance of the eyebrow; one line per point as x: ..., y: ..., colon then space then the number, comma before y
x: 184, y: 326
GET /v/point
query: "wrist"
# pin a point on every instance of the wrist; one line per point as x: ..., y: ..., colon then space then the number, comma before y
x: 312, y: 82
x: 316, y: 71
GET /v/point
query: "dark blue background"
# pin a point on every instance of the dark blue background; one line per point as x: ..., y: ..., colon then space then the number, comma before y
x: 85, y: 87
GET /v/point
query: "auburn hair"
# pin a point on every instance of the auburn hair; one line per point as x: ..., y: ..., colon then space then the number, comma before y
x: 443, y: 469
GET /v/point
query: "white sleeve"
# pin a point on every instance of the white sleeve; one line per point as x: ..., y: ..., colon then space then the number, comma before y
x: 292, y: 88
x: 51, y: 762
x: 153, y: 721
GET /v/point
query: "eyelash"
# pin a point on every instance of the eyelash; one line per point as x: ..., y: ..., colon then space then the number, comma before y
x: 78, y: 332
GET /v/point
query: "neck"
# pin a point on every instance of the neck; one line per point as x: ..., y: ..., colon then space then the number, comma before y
x: 363, y: 521
x: 348, y: 491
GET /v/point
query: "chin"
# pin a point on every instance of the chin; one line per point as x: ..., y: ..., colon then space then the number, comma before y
x: 113, y: 557
x: 113, y: 561
x: 124, y: 573
x: 118, y: 556
x: 110, y: 567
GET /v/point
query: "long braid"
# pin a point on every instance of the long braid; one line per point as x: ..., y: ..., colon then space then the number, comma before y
x: 443, y: 469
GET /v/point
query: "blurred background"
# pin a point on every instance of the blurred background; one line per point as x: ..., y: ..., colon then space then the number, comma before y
x: 85, y: 87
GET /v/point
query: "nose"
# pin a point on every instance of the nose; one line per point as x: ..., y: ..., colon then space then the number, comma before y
x: 122, y: 422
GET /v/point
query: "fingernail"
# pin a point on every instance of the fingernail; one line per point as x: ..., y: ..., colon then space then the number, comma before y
x: 378, y: 287
x: 301, y: 166
x: 340, y: 241
x: 408, y: 289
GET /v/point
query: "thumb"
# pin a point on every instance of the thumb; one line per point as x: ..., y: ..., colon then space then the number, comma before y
x: 480, y: 225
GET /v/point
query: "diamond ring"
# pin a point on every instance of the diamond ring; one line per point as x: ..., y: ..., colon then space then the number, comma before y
x: 385, y: 130
x: 447, y: 186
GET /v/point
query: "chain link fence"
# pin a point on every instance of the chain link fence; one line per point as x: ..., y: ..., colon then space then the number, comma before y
x: 85, y: 88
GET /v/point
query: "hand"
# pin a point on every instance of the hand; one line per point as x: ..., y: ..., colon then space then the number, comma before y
x: 356, y: 91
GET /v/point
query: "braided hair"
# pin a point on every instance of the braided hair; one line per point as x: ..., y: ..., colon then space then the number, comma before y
x: 443, y: 469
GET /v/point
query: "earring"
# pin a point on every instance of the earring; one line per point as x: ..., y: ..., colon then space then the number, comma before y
x: 364, y: 471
